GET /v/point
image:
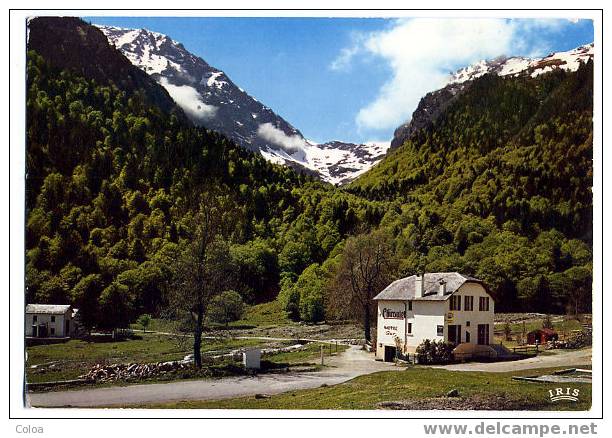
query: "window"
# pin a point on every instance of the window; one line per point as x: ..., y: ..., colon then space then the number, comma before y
x: 455, y: 302
x: 467, y: 337
x: 440, y: 330
x: 468, y: 303
x: 467, y: 323
x: 409, y: 328
x: 483, y: 304
x: 53, y: 319
x: 35, y: 318
x: 409, y: 305
x: 52, y: 330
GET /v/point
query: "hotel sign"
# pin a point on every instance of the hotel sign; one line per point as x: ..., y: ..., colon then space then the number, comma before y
x: 393, y: 314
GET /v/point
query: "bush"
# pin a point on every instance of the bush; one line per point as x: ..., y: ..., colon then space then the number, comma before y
x: 226, y: 307
x: 434, y: 352
x: 144, y: 321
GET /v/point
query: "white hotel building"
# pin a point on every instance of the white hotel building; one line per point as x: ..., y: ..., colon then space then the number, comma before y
x: 437, y: 306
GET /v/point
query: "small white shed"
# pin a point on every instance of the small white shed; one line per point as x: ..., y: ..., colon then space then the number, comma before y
x: 49, y: 321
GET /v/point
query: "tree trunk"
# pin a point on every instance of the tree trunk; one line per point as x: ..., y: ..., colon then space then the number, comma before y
x: 366, y: 323
x: 197, y: 341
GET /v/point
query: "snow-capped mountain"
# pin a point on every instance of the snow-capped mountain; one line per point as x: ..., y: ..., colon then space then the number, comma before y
x: 519, y: 65
x: 209, y: 98
x: 434, y: 103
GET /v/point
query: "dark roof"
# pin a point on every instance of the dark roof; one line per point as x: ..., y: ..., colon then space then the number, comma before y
x: 52, y: 309
x: 404, y: 288
x: 546, y: 331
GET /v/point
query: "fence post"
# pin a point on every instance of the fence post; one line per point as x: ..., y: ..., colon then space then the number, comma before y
x: 322, y: 355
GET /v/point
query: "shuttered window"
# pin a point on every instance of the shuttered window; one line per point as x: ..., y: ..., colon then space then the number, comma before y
x: 483, y: 304
x: 455, y: 302
x: 468, y: 303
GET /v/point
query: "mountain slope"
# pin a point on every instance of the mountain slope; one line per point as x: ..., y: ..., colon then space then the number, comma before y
x: 210, y: 98
x: 434, y: 103
x: 499, y: 186
x: 70, y: 43
x: 113, y: 184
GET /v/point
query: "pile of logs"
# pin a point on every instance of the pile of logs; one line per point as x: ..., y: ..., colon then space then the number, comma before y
x: 579, y: 339
x: 576, y: 339
x: 131, y: 371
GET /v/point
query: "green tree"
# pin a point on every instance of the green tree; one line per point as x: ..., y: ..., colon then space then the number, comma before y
x: 310, y: 286
x: 85, y: 295
x: 201, y: 272
x: 144, y: 321
x: 366, y: 267
x: 226, y: 307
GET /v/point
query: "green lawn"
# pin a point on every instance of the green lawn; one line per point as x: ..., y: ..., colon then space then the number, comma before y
x: 76, y: 357
x: 269, y: 314
x: 265, y: 314
x: 418, y: 384
x: 310, y: 354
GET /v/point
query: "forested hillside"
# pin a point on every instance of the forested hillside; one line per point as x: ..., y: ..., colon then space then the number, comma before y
x: 499, y: 187
x: 113, y: 183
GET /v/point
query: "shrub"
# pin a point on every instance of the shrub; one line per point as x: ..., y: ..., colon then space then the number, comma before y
x: 434, y: 352
x: 227, y: 307
x: 144, y: 321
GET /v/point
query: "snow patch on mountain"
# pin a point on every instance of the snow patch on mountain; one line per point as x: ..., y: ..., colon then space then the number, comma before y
x: 518, y: 65
x: 337, y: 162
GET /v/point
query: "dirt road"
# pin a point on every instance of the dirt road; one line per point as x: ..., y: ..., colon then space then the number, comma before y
x: 351, y: 363
x: 553, y: 358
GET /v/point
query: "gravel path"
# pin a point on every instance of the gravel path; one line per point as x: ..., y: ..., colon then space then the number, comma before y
x: 351, y: 363
x: 556, y: 358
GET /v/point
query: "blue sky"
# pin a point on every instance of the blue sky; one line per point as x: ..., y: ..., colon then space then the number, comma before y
x: 353, y: 79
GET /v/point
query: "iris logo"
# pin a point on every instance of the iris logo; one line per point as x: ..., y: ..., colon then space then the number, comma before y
x: 560, y: 394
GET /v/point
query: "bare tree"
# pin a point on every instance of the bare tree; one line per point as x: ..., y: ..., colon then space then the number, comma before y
x: 367, y: 265
x: 201, y: 271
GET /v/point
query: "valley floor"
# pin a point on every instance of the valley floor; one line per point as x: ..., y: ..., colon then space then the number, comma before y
x: 315, y: 390
x: 352, y: 363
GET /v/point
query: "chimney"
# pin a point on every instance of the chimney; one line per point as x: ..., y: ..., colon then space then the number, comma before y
x: 419, y: 285
x: 442, y: 289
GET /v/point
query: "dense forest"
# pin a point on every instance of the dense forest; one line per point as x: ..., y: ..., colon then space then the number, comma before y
x: 499, y: 188
x: 112, y: 184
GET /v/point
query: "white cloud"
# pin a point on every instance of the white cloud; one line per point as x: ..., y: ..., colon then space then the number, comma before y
x: 343, y: 60
x: 422, y: 52
x: 290, y: 143
x: 190, y: 101
x: 346, y: 55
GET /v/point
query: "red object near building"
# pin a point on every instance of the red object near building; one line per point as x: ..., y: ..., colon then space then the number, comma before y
x: 542, y: 336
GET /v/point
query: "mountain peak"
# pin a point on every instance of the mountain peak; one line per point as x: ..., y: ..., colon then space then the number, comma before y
x: 434, y: 103
x: 210, y: 99
x: 520, y: 65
